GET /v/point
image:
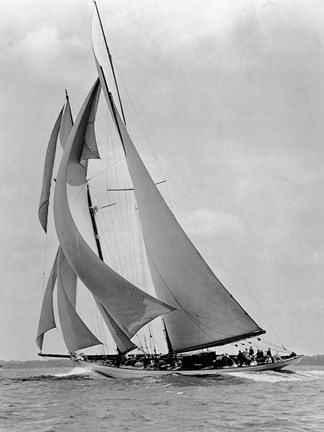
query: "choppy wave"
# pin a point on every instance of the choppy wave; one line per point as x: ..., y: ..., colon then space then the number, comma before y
x: 285, y: 375
x: 77, y: 371
x: 289, y: 401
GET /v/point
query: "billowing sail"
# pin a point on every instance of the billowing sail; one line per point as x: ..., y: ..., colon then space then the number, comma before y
x: 62, y: 128
x: 90, y: 148
x: 47, y: 320
x: 66, y: 123
x: 122, y: 341
x: 129, y: 307
x: 76, y: 334
x: 47, y: 174
x: 207, y: 314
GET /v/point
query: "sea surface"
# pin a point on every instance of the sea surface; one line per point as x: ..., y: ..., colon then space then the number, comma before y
x: 65, y: 399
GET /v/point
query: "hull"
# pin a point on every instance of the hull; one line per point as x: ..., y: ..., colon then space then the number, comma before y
x: 133, y: 372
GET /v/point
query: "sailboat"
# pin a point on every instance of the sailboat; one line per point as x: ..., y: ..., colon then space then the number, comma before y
x: 198, y: 312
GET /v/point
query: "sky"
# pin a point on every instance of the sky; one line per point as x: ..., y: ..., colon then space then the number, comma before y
x: 234, y: 90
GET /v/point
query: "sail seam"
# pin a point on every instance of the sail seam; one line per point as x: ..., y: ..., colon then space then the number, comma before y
x: 222, y: 341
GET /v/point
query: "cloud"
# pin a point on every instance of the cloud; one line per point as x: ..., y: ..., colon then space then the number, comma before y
x: 43, y: 42
x: 234, y: 88
x: 204, y: 222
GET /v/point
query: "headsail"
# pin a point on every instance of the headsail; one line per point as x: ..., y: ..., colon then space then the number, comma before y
x: 47, y: 320
x: 66, y: 123
x: 75, y: 333
x: 124, y: 344
x: 207, y: 314
x: 47, y: 174
x: 129, y: 307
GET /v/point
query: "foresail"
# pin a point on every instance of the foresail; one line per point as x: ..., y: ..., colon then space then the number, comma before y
x: 66, y: 124
x: 206, y: 314
x: 76, y: 334
x: 129, y: 307
x: 124, y: 344
x: 47, y: 174
x: 47, y: 320
x: 90, y: 147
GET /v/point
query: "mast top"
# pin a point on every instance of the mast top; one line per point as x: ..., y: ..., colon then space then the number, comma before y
x: 111, y: 62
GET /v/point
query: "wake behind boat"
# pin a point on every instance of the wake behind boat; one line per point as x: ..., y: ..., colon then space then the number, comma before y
x: 198, y: 312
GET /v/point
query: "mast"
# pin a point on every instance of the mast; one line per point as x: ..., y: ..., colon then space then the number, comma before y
x: 115, y: 115
x: 110, y: 61
x: 92, y: 211
x: 68, y: 102
x: 166, y: 335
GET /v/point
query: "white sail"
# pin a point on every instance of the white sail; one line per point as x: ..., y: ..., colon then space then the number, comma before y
x: 47, y: 174
x: 90, y: 148
x: 76, y: 334
x: 129, y: 307
x: 46, y: 319
x: 207, y: 314
x: 66, y: 124
x: 124, y: 344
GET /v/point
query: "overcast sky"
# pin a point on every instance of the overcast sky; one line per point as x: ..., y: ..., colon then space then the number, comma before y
x: 235, y: 91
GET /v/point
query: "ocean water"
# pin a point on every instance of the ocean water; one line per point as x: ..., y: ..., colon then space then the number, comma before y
x: 62, y: 399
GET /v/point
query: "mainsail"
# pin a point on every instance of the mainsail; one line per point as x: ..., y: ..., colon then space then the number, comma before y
x: 198, y: 311
x: 206, y: 313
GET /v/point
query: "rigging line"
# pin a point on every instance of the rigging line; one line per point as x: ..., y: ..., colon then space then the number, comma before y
x: 218, y: 331
x: 134, y: 238
x: 105, y: 169
x: 113, y: 150
x: 191, y: 193
x: 124, y: 82
x: 45, y: 256
x: 113, y: 252
x: 127, y: 228
x: 131, y: 243
x: 78, y: 106
x: 142, y: 254
x: 234, y: 302
x: 143, y: 280
x: 110, y: 61
x: 107, y: 227
x: 243, y: 312
x: 190, y: 316
x: 131, y: 216
x: 267, y: 343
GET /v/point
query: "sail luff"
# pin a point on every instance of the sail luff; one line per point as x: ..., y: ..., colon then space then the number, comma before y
x: 47, y: 173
